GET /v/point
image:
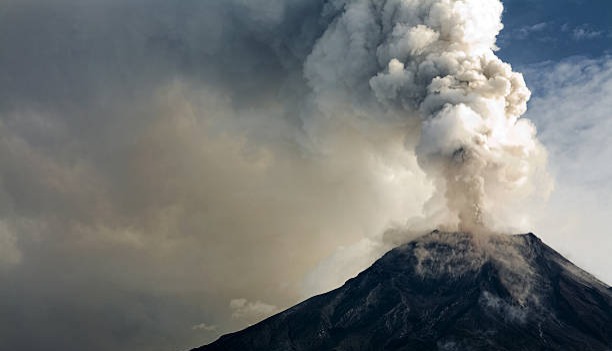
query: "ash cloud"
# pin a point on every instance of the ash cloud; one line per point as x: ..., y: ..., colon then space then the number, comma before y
x: 152, y: 149
x: 251, y: 311
x: 435, y: 63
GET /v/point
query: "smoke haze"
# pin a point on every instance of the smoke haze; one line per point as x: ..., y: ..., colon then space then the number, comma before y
x: 173, y: 170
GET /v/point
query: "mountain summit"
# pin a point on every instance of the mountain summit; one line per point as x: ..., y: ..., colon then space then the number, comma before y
x: 448, y: 291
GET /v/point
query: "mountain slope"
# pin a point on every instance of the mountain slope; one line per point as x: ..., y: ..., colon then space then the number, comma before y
x: 448, y: 291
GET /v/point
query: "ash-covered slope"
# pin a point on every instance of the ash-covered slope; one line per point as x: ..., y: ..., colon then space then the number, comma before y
x: 448, y: 291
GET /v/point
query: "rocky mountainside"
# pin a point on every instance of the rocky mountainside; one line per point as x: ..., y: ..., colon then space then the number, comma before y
x: 448, y: 291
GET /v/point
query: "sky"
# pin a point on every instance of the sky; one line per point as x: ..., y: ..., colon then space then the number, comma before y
x: 171, y: 171
x: 564, y: 50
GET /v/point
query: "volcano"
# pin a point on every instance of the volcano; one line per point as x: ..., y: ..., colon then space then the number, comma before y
x: 448, y: 291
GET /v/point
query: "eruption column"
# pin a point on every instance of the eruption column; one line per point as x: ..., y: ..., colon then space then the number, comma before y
x: 434, y: 61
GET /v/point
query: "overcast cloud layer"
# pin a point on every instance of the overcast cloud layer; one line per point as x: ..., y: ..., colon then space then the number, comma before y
x: 166, y: 175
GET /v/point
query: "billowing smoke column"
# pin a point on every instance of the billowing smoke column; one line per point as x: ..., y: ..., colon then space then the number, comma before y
x: 198, y: 140
x: 433, y: 61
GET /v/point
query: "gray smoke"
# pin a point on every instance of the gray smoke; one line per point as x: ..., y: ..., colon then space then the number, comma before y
x: 166, y: 165
x: 434, y: 62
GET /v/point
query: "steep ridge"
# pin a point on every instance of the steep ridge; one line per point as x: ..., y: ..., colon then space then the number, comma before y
x: 448, y: 291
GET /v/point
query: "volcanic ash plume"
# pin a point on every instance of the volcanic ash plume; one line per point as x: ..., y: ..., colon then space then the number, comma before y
x: 433, y: 62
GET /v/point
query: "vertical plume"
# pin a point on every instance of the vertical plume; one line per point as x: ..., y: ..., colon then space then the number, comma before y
x: 433, y: 62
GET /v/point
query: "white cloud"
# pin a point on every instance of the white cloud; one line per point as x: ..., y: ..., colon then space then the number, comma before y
x: 573, y: 111
x: 251, y: 312
x: 582, y: 32
x: 526, y: 31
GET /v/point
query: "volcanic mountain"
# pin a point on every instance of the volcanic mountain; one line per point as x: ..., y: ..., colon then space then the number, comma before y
x: 448, y: 291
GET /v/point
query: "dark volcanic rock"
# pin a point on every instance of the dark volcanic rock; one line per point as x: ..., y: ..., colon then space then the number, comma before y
x: 448, y: 292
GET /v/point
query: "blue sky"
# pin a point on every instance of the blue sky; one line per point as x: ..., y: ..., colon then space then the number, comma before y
x: 564, y: 50
x: 542, y: 30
